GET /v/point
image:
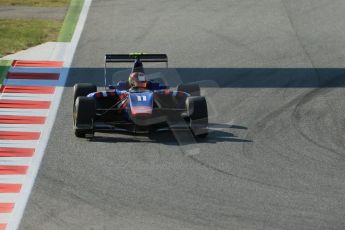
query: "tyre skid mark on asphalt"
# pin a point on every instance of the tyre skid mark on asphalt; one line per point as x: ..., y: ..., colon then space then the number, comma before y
x: 260, y: 125
x: 25, y: 107
x: 227, y: 173
x: 308, y: 97
x: 294, y: 106
x: 263, y: 122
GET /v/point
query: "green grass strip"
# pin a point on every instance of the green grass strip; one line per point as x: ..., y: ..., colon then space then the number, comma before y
x: 71, y: 20
x: 19, y: 34
x: 4, y: 66
x: 42, y: 3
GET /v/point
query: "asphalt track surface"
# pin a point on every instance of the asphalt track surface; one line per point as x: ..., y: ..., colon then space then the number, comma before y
x: 276, y: 160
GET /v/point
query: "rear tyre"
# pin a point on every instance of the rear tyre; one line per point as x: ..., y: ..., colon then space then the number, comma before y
x: 83, y: 89
x: 192, y: 89
x: 83, y: 114
x: 198, y: 115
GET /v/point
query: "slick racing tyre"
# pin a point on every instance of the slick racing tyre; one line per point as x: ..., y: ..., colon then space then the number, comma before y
x: 83, y: 89
x: 83, y: 114
x: 198, y: 115
x: 192, y: 89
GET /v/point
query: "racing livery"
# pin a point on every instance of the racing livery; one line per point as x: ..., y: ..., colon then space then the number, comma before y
x: 138, y: 105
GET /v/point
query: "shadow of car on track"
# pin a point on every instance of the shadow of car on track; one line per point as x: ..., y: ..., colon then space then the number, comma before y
x: 167, y: 137
x: 225, y: 77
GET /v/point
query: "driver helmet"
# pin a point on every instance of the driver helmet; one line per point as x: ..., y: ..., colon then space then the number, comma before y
x: 137, y: 80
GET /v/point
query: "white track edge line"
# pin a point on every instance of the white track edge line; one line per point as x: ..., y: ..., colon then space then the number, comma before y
x: 36, y: 161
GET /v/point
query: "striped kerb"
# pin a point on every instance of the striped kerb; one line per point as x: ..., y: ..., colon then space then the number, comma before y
x: 17, y: 152
x: 10, y: 188
x: 33, y: 76
x: 27, y: 89
x: 22, y: 120
x: 13, y: 170
x: 24, y: 104
x: 12, y: 135
x: 6, y: 207
x: 43, y: 64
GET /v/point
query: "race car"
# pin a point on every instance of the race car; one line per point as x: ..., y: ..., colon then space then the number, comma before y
x: 138, y: 105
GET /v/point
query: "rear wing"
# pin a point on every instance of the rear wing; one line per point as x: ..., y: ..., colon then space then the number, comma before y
x: 134, y: 56
x: 131, y: 58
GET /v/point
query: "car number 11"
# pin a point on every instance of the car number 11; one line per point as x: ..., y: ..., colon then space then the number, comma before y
x: 141, y: 98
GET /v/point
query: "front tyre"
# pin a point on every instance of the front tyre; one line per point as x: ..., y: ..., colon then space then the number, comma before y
x: 83, y: 89
x: 84, y: 112
x: 198, y: 115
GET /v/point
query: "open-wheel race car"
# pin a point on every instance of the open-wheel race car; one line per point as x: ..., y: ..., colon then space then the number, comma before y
x: 138, y: 105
